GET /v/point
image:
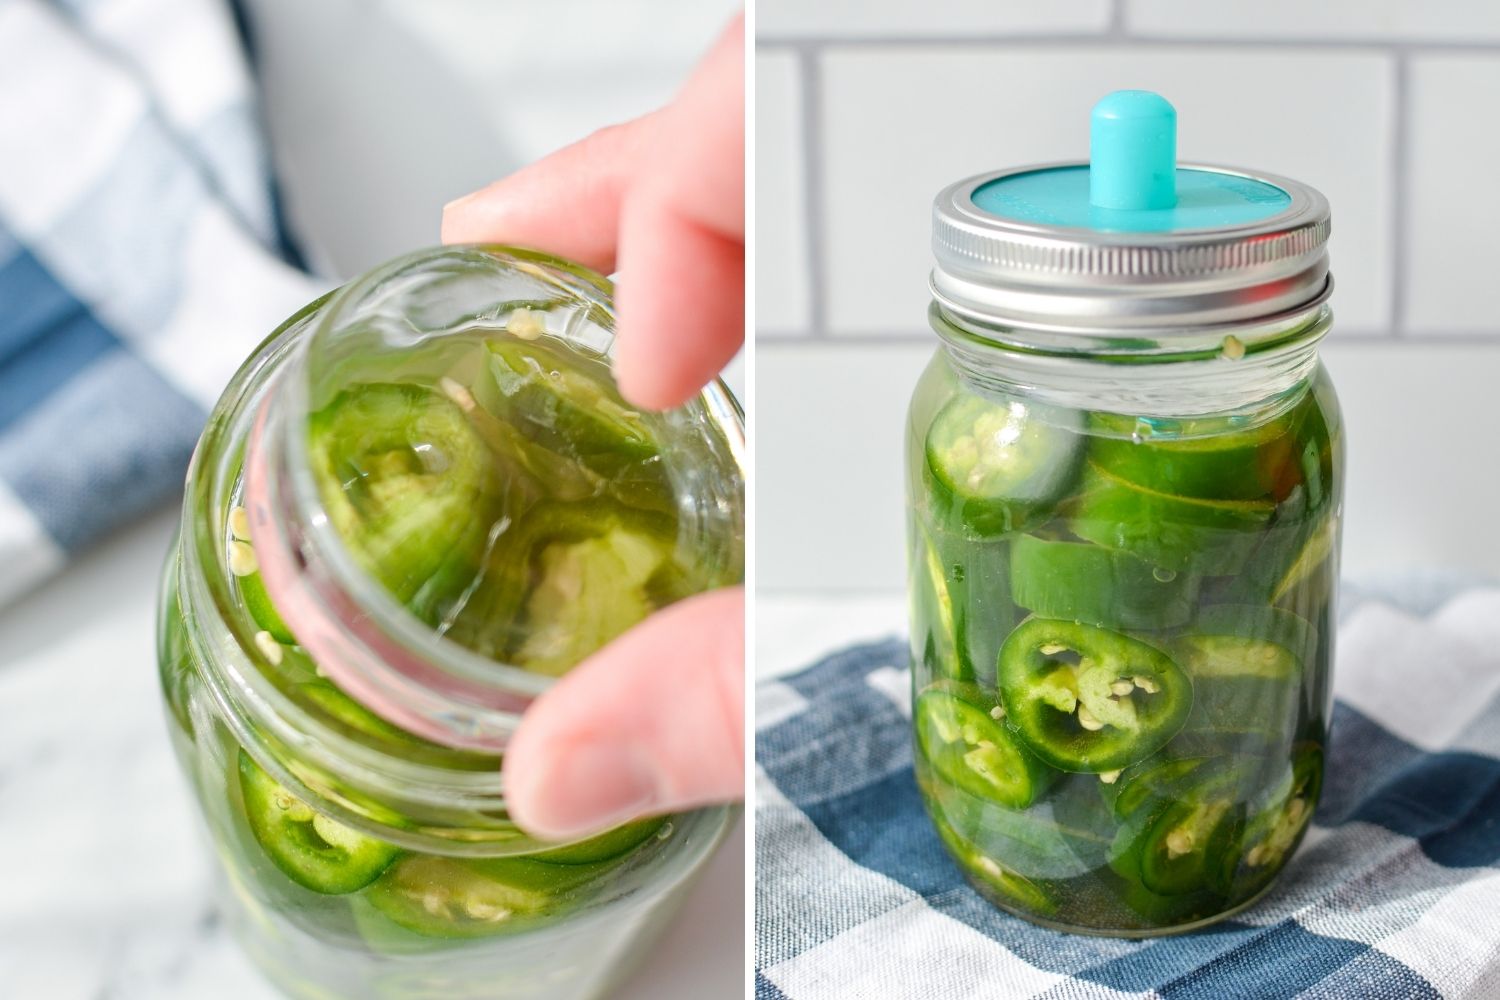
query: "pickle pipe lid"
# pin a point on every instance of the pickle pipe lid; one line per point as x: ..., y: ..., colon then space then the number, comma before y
x: 1131, y: 241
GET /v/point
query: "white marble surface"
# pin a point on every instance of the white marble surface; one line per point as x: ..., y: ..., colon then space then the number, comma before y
x: 792, y: 630
x: 104, y: 884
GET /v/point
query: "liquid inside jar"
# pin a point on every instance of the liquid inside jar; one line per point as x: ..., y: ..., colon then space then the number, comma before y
x: 1121, y: 636
x: 496, y: 485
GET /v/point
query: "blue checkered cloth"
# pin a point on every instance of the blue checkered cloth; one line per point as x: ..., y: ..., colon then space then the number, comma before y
x: 141, y: 259
x: 1395, y: 893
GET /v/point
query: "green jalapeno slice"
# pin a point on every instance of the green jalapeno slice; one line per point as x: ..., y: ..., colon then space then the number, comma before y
x: 1175, y: 841
x: 1274, y: 829
x: 310, y: 848
x: 995, y: 464
x: 963, y: 737
x: 1173, y: 532
x: 405, y: 479
x: 559, y: 404
x: 1209, y: 537
x: 589, y: 591
x: 1314, y: 559
x: 262, y: 611
x: 564, y: 580
x: 1152, y: 781
x: 246, y: 571
x: 1246, y: 665
x: 470, y: 897
x: 1042, y: 841
x: 1083, y: 582
x: 1190, y: 838
x: 933, y: 606
x: 607, y: 845
x: 1084, y: 698
x: 1201, y: 459
x: 987, y: 612
x: 1012, y: 888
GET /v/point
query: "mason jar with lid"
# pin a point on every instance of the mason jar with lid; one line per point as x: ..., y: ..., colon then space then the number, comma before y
x: 1124, y: 483
x: 419, y: 502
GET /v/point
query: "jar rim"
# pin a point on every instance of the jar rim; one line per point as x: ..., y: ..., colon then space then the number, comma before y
x: 246, y: 689
x: 440, y: 688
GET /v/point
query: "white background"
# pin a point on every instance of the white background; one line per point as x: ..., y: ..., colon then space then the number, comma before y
x: 866, y: 107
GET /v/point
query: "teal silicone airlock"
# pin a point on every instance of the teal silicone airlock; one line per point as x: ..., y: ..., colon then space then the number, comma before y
x: 1133, y: 152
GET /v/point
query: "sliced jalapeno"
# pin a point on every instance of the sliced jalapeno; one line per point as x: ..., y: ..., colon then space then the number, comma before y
x: 606, y: 846
x: 932, y: 605
x: 559, y: 405
x: 1080, y: 581
x: 1315, y: 558
x: 588, y: 592
x: 1176, y: 844
x: 1155, y: 780
x: 243, y: 565
x: 995, y: 464
x: 1244, y: 688
x: 258, y: 604
x: 405, y: 480
x: 1188, y: 840
x: 1210, y: 537
x: 312, y: 850
x: 987, y: 612
x: 1083, y: 698
x: 465, y: 898
x: 1012, y: 888
x: 961, y: 734
x: 1064, y: 834
x: 352, y: 714
x: 1275, y: 828
x: 1201, y: 459
x: 564, y: 580
x: 1257, y: 621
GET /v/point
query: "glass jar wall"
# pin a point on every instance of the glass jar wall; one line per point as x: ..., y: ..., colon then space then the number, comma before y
x: 1122, y: 578
x: 416, y: 505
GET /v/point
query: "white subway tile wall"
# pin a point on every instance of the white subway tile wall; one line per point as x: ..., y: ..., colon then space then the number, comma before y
x: 780, y: 206
x: 1321, y: 20
x: 866, y: 109
x: 898, y: 124
x: 866, y: 19
x: 1452, y: 202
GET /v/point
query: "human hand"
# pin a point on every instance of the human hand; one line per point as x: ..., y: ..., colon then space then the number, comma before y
x: 654, y: 722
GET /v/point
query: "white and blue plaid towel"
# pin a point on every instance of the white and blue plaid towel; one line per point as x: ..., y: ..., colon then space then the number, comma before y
x: 1394, y: 894
x: 141, y: 258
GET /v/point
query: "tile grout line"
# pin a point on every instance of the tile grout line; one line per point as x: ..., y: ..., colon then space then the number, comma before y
x: 777, y: 339
x: 1109, y: 38
x: 1400, y: 188
x: 810, y: 70
x: 808, y: 52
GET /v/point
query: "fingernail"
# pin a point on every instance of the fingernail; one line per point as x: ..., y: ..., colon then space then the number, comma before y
x: 459, y: 202
x: 587, y: 788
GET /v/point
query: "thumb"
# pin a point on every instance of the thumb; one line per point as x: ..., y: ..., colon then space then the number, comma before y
x: 652, y: 723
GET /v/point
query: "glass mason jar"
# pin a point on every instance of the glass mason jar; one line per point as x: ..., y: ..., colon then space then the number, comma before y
x: 420, y: 501
x: 1124, y: 479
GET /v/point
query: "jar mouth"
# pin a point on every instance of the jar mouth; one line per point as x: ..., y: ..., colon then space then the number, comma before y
x: 382, y: 653
x: 458, y: 803
x: 1244, y: 371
